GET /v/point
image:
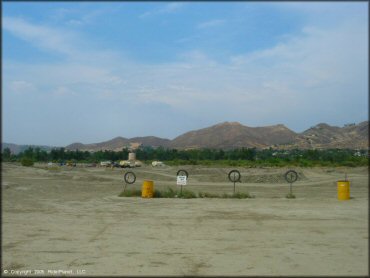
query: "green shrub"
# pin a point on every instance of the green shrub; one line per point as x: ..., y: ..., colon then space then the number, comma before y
x: 27, y: 162
x: 237, y: 195
x: 241, y: 195
x: 157, y: 194
x: 349, y: 163
x: 187, y: 194
x: 130, y: 193
x: 290, y: 196
x: 168, y: 193
x: 208, y: 195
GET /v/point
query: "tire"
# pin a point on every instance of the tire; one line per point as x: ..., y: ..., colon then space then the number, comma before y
x: 129, y: 177
x: 183, y: 172
x: 291, y: 176
x: 233, y: 173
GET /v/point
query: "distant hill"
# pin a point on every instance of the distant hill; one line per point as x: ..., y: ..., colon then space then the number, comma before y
x: 228, y: 135
x: 118, y: 143
x: 234, y: 135
x: 324, y: 136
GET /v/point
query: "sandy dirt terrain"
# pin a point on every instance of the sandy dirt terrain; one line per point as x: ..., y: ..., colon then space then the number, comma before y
x: 70, y: 221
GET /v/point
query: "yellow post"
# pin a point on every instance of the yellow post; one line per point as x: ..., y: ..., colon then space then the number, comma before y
x: 343, y: 190
x: 147, y: 189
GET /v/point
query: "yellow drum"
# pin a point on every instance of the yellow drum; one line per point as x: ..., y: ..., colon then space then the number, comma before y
x: 343, y: 190
x: 147, y: 189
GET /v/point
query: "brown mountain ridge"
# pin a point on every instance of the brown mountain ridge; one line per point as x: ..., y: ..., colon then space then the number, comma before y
x: 228, y: 135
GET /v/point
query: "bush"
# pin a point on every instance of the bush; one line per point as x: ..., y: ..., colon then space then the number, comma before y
x: 130, y: 193
x: 290, y: 196
x: 157, y: 194
x: 241, y: 195
x: 168, y: 193
x: 349, y: 163
x: 208, y: 195
x: 238, y: 195
x: 187, y: 194
x: 27, y: 162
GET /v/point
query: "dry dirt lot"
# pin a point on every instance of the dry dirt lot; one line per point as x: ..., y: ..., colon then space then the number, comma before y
x: 71, y: 219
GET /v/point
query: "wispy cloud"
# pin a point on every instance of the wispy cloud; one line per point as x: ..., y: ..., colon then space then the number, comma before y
x: 21, y: 87
x: 87, y: 18
x: 211, y: 23
x: 62, y: 91
x: 77, y: 17
x: 305, y: 64
x: 310, y: 73
x: 38, y: 35
x: 167, y: 9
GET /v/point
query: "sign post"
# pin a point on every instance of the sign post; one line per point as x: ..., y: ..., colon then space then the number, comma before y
x: 181, y: 180
x: 182, y: 177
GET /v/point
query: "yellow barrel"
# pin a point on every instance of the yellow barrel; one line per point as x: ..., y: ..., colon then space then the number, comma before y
x: 147, y: 189
x: 343, y: 190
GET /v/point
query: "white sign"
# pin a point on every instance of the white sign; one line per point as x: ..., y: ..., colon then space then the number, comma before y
x: 181, y: 180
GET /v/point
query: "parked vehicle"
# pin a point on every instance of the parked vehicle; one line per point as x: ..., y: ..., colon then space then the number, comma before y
x: 71, y: 163
x: 157, y: 164
x: 107, y: 163
x: 127, y: 164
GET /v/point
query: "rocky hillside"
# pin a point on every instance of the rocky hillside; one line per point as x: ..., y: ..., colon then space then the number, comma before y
x: 324, y: 136
x: 118, y: 143
x: 234, y: 135
x: 229, y: 135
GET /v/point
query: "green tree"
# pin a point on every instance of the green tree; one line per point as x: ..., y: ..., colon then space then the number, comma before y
x: 6, y: 155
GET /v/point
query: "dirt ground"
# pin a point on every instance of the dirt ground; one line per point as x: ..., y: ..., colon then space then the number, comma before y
x: 70, y: 221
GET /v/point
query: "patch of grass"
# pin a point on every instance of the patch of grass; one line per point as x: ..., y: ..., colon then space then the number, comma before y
x: 187, y: 194
x: 241, y: 195
x: 28, y: 162
x: 157, y: 194
x: 168, y: 193
x: 130, y: 193
x: 290, y: 196
x: 208, y: 195
x: 238, y: 195
x: 53, y: 168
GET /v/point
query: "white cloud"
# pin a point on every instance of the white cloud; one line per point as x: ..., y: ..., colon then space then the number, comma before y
x: 62, y: 91
x: 211, y: 23
x: 167, y: 9
x: 86, y: 18
x: 21, y: 86
x: 304, y: 76
x: 40, y: 36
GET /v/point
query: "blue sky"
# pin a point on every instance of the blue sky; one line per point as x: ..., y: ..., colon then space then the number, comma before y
x: 88, y: 72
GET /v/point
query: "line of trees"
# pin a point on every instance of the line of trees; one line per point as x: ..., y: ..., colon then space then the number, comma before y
x: 234, y: 157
